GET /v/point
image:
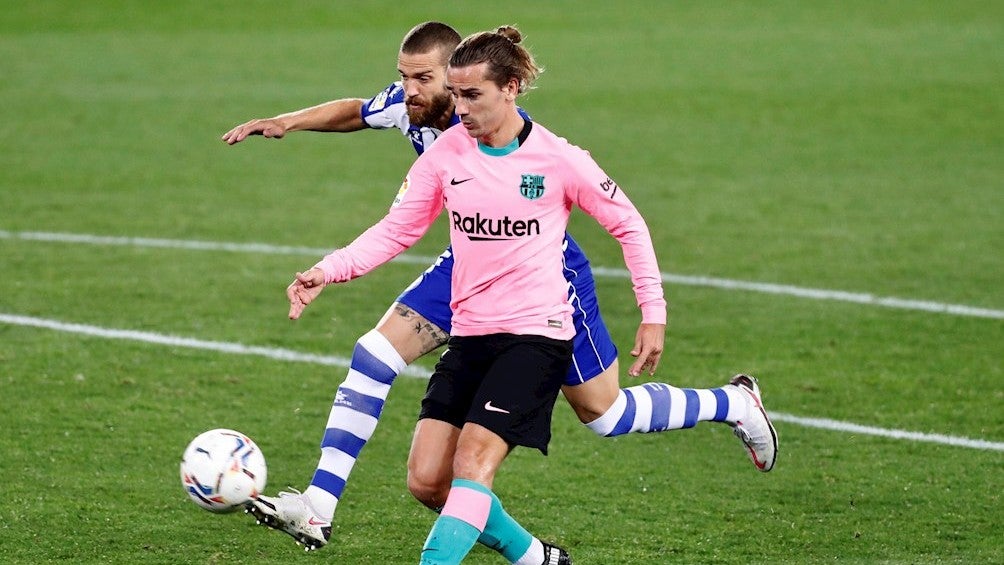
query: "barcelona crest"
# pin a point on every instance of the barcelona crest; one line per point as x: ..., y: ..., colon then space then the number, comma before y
x: 532, y: 186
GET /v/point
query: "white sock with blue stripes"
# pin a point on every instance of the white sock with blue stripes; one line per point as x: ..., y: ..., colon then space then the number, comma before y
x: 354, y: 415
x: 657, y: 407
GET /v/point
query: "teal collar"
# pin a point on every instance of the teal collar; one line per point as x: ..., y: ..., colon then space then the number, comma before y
x: 499, y: 151
x: 503, y: 151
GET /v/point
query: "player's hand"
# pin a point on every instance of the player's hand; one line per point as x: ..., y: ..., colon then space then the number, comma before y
x: 648, y: 344
x: 269, y: 127
x: 303, y: 290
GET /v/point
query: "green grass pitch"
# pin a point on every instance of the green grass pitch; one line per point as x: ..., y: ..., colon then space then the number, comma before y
x: 839, y: 146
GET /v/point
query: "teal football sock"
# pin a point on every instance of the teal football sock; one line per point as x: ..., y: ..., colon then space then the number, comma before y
x: 506, y: 535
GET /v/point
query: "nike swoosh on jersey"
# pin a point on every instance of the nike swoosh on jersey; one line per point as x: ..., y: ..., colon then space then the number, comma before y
x: 455, y: 182
x: 490, y: 408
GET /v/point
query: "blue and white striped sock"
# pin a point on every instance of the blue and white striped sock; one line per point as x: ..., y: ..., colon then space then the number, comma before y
x: 353, y: 417
x: 657, y: 407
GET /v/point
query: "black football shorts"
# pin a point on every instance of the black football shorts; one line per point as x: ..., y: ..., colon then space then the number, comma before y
x: 505, y: 382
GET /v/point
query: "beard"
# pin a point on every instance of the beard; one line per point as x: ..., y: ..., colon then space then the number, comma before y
x: 428, y: 116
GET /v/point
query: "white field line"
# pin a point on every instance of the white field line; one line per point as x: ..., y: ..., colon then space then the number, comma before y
x: 688, y: 280
x: 848, y: 427
x: 274, y: 353
x: 294, y: 356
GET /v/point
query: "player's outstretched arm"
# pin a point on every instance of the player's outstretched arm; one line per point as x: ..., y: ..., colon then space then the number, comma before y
x: 648, y: 346
x: 303, y: 290
x: 336, y: 116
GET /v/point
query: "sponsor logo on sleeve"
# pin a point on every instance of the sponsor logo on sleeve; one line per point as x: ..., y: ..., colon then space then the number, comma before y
x: 400, y: 192
x: 609, y: 186
x: 379, y: 101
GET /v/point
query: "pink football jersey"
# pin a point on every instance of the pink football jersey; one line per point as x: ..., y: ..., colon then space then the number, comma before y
x: 507, y: 211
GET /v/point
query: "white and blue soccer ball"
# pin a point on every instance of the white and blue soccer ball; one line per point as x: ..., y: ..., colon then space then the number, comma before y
x: 222, y: 470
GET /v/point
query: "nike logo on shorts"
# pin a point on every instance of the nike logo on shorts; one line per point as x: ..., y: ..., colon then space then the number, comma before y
x: 455, y: 182
x: 490, y: 408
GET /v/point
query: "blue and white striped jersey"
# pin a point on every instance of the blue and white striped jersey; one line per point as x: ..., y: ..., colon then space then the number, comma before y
x: 387, y: 110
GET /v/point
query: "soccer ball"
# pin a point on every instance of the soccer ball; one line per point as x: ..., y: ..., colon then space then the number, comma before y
x: 223, y: 469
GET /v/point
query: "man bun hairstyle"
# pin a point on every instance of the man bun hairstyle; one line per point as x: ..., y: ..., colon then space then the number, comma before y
x: 502, y: 50
x: 510, y: 33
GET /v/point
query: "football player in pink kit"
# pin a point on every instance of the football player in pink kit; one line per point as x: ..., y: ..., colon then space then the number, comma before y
x: 508, y: 186
x: 590, y: 387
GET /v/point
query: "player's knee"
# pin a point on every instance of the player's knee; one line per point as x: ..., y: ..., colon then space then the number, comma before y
x: 430, y: 489
x: 590, y: 418
x: 401, y: 343
x: 479, y: 454
x: 593, y: 399
x: 605, y: 423
x: 400, y: 333
x: 588, y: 412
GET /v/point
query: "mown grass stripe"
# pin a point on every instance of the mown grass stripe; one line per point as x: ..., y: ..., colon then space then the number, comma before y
x: 280, y: 354
x: 688, y: 280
